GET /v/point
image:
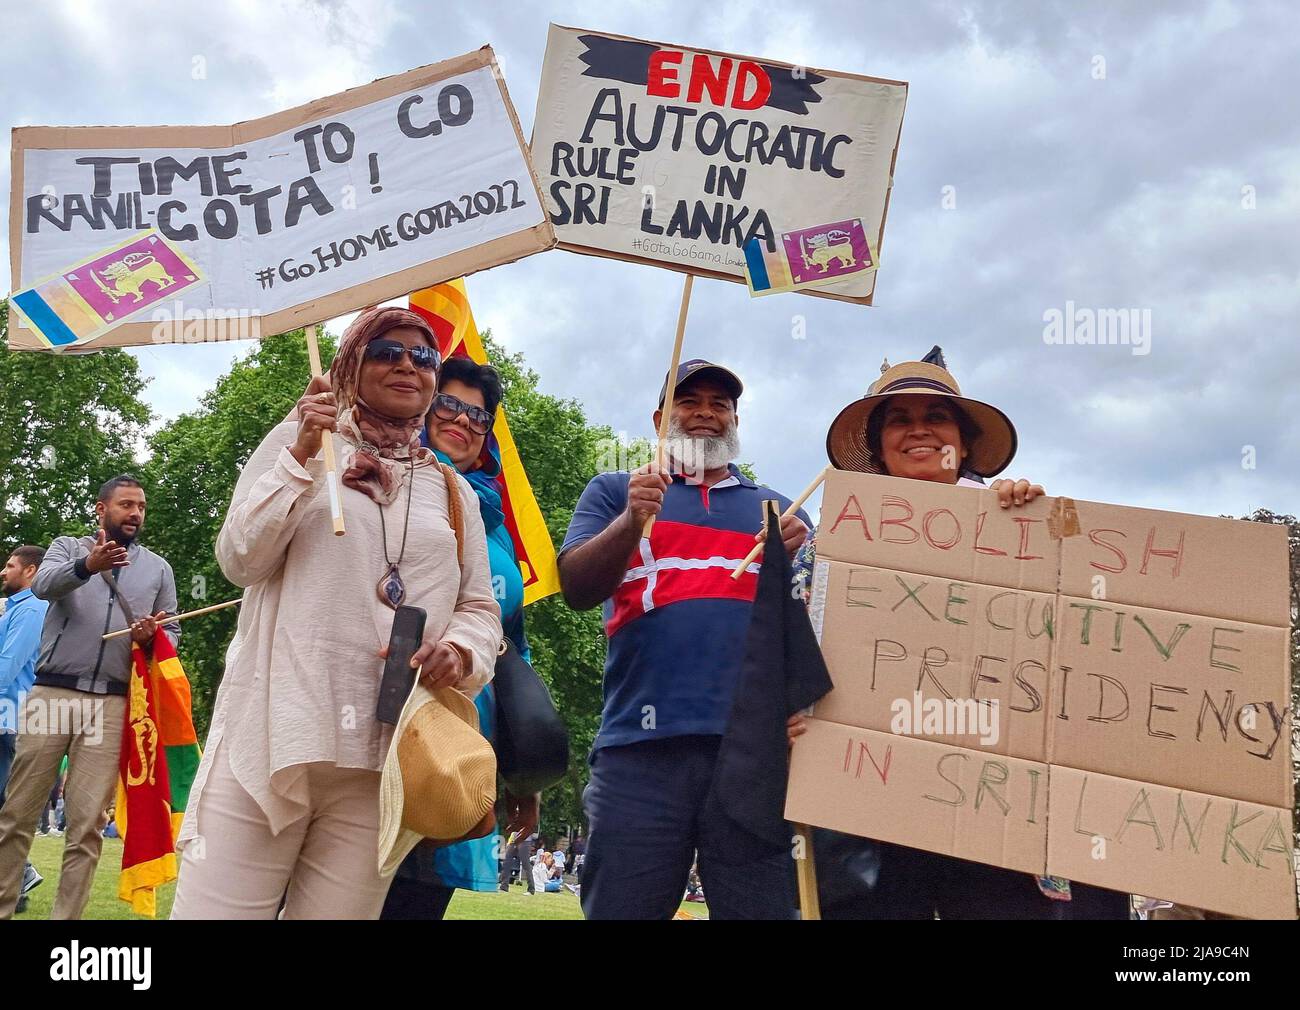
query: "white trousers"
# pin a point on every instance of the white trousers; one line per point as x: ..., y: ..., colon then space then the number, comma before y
x: 323, y: 865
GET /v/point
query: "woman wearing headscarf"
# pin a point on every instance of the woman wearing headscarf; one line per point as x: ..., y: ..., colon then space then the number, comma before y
x: 459, y: 426
x: 915, y: 423
x: 285, y: 805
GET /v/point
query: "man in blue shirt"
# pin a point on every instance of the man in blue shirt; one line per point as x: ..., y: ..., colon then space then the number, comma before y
x: 20, y: 643
x: 676, y: 623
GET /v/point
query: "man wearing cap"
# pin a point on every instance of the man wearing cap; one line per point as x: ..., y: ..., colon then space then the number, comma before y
x: 676, y: 623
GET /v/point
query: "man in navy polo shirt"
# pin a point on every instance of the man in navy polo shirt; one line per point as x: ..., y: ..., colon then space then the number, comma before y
x: 676, y: 623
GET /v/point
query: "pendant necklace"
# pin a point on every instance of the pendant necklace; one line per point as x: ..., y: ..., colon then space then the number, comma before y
x: 391, y: 588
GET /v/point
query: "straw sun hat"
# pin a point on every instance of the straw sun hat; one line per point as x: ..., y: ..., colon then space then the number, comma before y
x: 988, y: 454
x: 439, y: 777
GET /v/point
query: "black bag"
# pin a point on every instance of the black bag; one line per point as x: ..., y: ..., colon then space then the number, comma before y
x: 532, y: 742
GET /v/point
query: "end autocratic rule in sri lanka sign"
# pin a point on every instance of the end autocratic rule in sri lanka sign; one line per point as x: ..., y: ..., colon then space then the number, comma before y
x: 682, y: 158
x: 123, y: 235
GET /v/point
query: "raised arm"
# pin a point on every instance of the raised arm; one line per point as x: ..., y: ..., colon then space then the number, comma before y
x: 603, y: 535
x: 61, y: 571
x: 268, y: 504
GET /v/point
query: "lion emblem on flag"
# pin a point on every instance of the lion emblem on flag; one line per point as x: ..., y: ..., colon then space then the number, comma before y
x: 145, y: 733
x: 128, y: 276
x: 821, y: 249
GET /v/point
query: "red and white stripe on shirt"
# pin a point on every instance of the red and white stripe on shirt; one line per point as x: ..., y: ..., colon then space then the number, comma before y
x: 681, y: 561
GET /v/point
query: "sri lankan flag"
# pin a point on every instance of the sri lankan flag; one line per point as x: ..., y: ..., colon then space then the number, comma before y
x: 446, y: 307
x: 160, y: 754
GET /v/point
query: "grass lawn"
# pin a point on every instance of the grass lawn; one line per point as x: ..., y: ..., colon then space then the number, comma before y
x: 47, y: 857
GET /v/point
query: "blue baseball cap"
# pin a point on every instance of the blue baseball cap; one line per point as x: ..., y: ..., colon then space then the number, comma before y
x: 698, y: 367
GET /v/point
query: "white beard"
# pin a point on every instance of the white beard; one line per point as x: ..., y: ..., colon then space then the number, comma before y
x: 694, y: 455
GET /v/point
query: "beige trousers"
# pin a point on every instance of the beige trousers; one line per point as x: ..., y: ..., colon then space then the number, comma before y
x: 323, y: 865
x: 88, y: 729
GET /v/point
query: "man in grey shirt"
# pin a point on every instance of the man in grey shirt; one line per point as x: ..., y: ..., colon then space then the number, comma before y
x: 78, y: 704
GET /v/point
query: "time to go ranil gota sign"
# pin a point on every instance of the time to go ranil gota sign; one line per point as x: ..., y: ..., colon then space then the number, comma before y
x: 131, y: 235
x: 700, y: 161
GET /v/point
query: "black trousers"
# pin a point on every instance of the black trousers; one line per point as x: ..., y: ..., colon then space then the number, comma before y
x: 649, y: 823
x: 518, y: 855
x: 412, y: 899
x: 858, y: 878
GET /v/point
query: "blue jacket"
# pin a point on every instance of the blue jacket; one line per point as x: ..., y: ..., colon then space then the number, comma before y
x: 472, y: 865
x: 20, y: 644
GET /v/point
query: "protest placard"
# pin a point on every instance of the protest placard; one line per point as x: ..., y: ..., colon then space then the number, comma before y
x: 143, y: 234
x: 678, y: 157
x: 1075, y: 688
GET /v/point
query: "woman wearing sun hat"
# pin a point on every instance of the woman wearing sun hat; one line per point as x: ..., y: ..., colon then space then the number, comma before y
x: 914, y: 422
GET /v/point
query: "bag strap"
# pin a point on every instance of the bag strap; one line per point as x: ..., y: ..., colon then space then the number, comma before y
x: 116, y: 594
x: 456, y: 519
x: 455, y: 510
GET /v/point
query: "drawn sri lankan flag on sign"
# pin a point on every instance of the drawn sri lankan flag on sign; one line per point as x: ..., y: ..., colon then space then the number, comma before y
x: 446, y: 307
x: 160, y: 755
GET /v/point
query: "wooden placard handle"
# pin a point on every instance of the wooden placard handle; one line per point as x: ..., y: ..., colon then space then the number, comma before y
x: 806, y: 874
x: 178, y: 617
x: 327, y: 443
x: 795, y: 506
x: 671, y: 389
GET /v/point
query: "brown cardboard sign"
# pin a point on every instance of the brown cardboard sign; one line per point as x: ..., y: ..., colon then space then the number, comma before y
x: 1139, y: 658
x: 1200, y: 850
x: 985, y: 807
x: 933, y: 647
x: 287, y: 220
x: 1189, y: 702
x: 1177, y: 562
x: 678, y: 157
x: 934, y: 529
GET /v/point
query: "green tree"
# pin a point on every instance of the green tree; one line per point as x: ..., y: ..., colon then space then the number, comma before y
x: 561, y: 453
x: 67, y: 424
x: 191, y: 475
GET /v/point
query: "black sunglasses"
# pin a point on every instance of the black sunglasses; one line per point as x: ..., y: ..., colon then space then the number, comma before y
x: 423, y: 357
x: 448, y: 408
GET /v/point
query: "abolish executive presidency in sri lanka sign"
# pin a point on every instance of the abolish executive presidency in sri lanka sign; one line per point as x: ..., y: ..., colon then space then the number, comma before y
x: 134, y: 235
x: 679, y: 157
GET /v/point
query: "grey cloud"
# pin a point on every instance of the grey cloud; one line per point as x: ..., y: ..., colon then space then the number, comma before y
x: 1110, y: 193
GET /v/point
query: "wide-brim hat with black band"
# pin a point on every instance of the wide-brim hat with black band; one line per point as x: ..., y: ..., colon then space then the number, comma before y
x: 697, y: 368
x: 987, y: 455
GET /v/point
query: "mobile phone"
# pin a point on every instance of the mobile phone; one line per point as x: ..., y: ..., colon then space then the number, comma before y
x: 399, y: 677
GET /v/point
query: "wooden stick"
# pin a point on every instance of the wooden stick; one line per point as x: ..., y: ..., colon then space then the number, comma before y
x: 327, y: 443
x: 806, y: 872
x: 795, y: 506
x: 671, y: 389
x: 805, y: 868
x: 179, y: 617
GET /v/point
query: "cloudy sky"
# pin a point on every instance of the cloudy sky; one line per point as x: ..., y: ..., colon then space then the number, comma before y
x: 1114, y: 155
